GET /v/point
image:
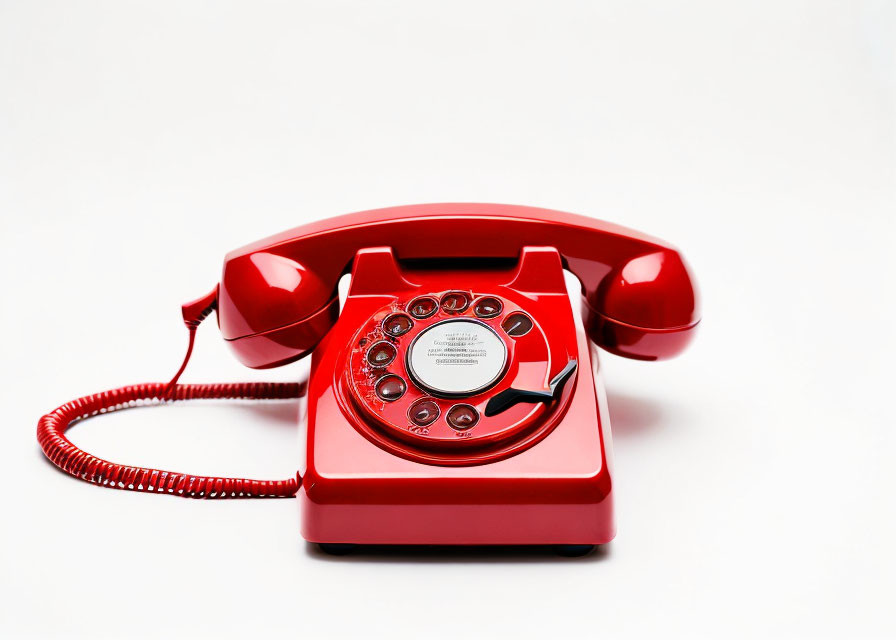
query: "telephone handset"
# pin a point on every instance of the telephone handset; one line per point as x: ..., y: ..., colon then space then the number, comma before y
x: 277, y: 297
x: 455, y: 399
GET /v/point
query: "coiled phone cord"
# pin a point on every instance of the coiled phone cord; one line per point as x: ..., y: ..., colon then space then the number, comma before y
x: 59, y: 449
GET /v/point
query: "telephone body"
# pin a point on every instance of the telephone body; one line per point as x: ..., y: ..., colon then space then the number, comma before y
x: 387, y: 462
x: 456, y: 398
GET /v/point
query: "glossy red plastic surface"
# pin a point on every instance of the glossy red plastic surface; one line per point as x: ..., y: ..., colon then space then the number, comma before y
x: 276, y: 295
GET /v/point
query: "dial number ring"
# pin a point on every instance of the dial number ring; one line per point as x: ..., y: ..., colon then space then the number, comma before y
x: 416, y: 422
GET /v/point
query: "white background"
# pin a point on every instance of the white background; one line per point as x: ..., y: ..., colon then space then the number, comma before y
x: 139, y: 142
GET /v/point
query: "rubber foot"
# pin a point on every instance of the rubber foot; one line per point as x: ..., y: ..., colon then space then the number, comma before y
x: 336, y: 548
x: 573, y: 550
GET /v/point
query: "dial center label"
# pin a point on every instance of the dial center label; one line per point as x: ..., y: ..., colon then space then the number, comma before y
x: 457, y: 357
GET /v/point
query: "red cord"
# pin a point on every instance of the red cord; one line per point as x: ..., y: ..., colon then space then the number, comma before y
x: 59, y: 449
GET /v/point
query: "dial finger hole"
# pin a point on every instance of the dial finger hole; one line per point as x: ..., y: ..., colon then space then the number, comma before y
x: 517, y: 324
x: 397, y: 324
x: 381, y: 354
x: 423, y: 307
x: 424, y: 412
x: 487, y: 307
x: 455, y: 302
x: 462, y: 417
x: 390, y: 388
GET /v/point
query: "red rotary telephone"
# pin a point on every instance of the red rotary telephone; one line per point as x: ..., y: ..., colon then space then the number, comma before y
x: 455, y: 399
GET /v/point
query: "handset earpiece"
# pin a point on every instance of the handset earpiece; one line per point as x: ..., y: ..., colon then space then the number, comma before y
x: 273, y: 309
x: 645, y: 308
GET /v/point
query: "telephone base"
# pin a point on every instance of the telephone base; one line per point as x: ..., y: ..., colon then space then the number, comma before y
x: 532, y: 474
